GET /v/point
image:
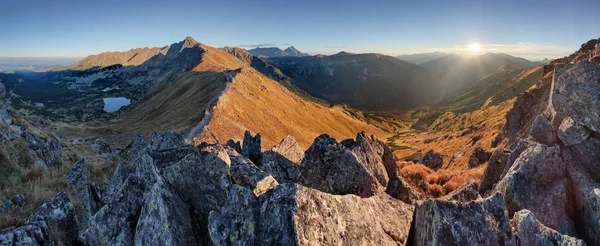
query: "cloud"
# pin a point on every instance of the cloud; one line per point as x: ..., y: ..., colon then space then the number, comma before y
x: 257, y: 45
x: 335, y: 47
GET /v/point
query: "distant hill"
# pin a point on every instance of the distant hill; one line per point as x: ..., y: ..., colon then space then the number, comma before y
x: 364, y: 81
x: 421, y: 58
x: 276, y: 52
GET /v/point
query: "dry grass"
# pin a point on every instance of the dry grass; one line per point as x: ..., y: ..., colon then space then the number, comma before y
x: 439, y: 183
x: 33, y: 174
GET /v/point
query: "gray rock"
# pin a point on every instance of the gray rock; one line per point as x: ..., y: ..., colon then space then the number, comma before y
x: 2, y: 90
x: 14, y: 204
x: 283, y: 160
x: 164, y: 219
x: 114, y: 223
x: 467, y: 192
x: 588, y: 154
x: 433, y: 160
x: 576, y: 93
x: 170, y: 140
x: 480, y: 222
x: 78, y: 180
x: 571, y: 133
x: 539, y: 171
x: 400, y: 189
x: 532, y: 233
x: 478, y: 157
x: 235, y: 145
x: 497, y: 140
x: 104, y: 148
x: 236, y: 223
x: 243, y: 172
x: 251, y: 147
x: 493, y: 171
x: 113, y: 185
x: 541, y: 130
x: 48, y: 152
x: 330, y: 167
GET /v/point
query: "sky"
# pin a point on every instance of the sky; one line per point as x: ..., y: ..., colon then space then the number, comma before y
x: 77, y: 28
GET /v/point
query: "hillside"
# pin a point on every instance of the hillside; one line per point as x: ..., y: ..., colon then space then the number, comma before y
x: 363, y: 81
x: 421, y: 58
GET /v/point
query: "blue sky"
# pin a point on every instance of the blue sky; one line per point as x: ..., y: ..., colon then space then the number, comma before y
x: 68, y: 28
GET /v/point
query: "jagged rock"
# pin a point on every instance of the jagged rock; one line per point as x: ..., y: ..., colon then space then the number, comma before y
x: 235, y: 145
x: 283, y: 160
x: 170, y: 140
x: 532, y: 233
x: 164, y: 219
x: 236, y: 223
x: 541, y: 130
x: 576, y: 95
x: 370, y: 152
x: 139, y: 156
x: 292, y: 214
x: 78, y: 180
x: 516, y: 150
x: 493, y: 171
x: 14, y: 204
x: 539, y: 171
x: 480, y: 222
x: 467, y: 192
x: 571, y: 133
x: 585, y: 199
x: 478, y: 157
x: 48, y: 152
x: 54, y: 221
x: 2, y: 90
x: 114, y: 224
x: 112, y: 186
x: 433, y: 160
x: 251, y: 147
x: 330, y: 167
x: 400, y: 189
x: 245, y: 173
x: 588, y: 154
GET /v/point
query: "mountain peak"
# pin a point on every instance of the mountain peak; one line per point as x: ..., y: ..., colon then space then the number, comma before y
x: 189, y: 42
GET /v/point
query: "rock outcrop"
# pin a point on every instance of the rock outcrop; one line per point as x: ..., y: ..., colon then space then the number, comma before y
x: 480, y: 222
x: 433, y: 160
x: 467, y: 192
x: 14, y: 204
x: 531, y: 232
x: 283, y: 160
x: 478, y: 157
x: 251, y: 147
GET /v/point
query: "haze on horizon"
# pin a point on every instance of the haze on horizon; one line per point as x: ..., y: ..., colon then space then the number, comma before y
x: 67, y: 28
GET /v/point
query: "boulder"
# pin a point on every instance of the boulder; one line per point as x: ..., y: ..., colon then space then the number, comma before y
x: 113, y: 185
x: 588, y: 154
x: 170, y: 140
x: 585, y: 199
x: 400, y: 189
x: 540, y: 171
x: 283, y: 160
x: 571, y: 133
x: 330, y: 167
x: 433, y: 160
x: 164, y: 219
x: 576, y: 93
x: 480, y: 222
x: 114, y: 223
x: 493, y: 171
x: 103, y: 147
x: 292, y: 214
x: 243, y: 172
x: 467, y: 192
x: 251, y: 147
x: 532, y: 233
x: 478, y: 157
x: 235, y: 145
x: 14, y: 204
x: 541, y: 130
x: 90, y: 201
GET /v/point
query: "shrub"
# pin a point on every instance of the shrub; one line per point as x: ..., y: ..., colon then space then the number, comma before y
x: 415, y: 173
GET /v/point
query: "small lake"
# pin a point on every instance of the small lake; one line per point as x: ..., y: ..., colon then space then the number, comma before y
x: 113, y: 104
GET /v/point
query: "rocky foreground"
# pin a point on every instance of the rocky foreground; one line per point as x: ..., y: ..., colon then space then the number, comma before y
x: 543, y: 190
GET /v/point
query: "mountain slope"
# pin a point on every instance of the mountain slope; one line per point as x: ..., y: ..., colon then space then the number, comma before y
x: 364, y: 81
x: 276, y: 52
x: 421, y: 58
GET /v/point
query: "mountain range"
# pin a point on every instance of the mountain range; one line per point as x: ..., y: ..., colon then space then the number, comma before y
x: 266, y: 52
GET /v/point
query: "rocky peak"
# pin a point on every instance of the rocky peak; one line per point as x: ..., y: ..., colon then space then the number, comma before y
x: 189, y: 42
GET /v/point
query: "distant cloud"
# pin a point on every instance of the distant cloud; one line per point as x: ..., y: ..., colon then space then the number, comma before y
x: 257, y: 45
x: 335, y: 46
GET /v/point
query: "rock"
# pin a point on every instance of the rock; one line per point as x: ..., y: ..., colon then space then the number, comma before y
x: 467, y: 192
x: 588, y: 154
x: 400, y: 189
x: 283, y: 160
x: 571, y: 133
x: 164, y: 219
x: 516, y: 150
x: 235, y: 145
x: 371, y: 153
x: 90, y: 201
x: 539, y: 171
x: 104, y: 148
x: 113, y: 185
x: 48, y: 152
x: 251, y: 147
x: 292, y: 214
x: 15, y: 204
x: 480, y: 222
x: 2, y: 90
x: 139, y: 156
x: 478, y: 157
x: 576, y: 93
x: 243, y: 172
x: 433, y: 160
x: 330, y: 167
x: 585, y: 199
x: 493, y: 171
x: 541, y: 130
x: 170, y: 140
x: 236, y: 223
x: 532, y: 233
x: 114, y: 223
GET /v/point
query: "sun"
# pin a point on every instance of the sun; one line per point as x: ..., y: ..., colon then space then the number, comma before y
x: 475, y: 48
